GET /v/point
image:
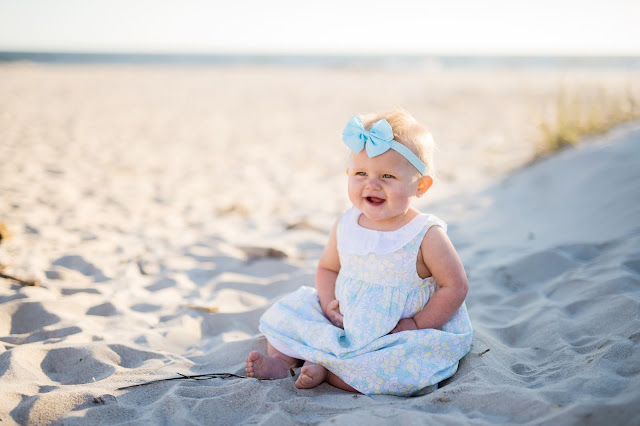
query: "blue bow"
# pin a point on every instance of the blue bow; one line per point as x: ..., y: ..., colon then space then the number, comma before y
x: 377, y: 141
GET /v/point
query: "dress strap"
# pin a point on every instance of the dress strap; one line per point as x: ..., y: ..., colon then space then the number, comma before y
x: 414, y: 245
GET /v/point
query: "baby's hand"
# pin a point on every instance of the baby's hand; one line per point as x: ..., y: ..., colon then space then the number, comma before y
x: 333, y: 313
x: 404, y: 325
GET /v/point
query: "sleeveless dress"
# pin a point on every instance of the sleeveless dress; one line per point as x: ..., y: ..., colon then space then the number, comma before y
x: 377, y: 286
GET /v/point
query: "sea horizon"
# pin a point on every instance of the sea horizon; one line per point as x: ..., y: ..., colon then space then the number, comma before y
x: 293, y: 60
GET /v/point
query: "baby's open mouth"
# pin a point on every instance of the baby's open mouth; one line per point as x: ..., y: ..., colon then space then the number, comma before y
x: 374, y: 200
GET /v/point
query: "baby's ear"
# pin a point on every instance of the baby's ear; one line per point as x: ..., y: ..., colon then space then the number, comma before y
x: 424, y: 185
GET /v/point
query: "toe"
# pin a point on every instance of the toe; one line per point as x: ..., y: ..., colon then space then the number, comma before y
x: 303, y: 381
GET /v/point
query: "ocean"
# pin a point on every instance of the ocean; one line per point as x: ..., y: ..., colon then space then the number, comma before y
x: 332, y: 61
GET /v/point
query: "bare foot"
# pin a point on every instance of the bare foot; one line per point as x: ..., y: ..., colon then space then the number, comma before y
x: 311, y: 375
x: 265, y: 367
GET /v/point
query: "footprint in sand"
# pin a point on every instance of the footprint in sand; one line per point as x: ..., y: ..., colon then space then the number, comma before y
x: 534, y: 269
x: 11, y: 297
x: 81, y: 361
x: 633, y: 266
x: 582, y: 252
x: 78, y: 263
x: 104, y: 310
x: 50, y: 336
x: 54, y: 275
x: 525, y: 372
x: 28, y: 317
x: 145, y: 307
x: 70, y: 291
x: 161, y: 284
x: 133, y: 358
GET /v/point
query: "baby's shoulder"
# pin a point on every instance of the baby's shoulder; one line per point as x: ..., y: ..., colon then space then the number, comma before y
x: 435, y: 239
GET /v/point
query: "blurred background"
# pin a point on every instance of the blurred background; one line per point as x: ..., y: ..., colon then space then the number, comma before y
x: 356, y: 27
x: 171, y: 113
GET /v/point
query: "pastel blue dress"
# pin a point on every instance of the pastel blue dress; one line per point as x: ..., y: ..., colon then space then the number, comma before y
x: 377, y: 285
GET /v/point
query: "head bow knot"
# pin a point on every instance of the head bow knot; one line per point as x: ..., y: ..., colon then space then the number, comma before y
x: 377, y: 141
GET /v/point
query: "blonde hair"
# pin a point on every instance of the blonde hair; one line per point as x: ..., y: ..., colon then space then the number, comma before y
x: 409, y: 132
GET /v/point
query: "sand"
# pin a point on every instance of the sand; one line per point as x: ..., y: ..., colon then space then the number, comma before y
x: 134, y: 194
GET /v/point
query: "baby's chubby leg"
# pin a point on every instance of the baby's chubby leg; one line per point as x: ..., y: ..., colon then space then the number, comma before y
x: 312, y: 374
x: 336, y: 381
x: 273, y: 366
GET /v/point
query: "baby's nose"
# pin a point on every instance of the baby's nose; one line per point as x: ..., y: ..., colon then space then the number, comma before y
x: 373, y: 183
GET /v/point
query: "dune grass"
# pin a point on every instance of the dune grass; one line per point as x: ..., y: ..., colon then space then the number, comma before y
x: 585, y: 112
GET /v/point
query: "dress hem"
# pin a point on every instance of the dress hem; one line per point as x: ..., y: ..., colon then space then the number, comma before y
x: 282, y: 347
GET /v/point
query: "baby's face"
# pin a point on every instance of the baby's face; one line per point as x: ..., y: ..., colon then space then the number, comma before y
x: 382, y: 187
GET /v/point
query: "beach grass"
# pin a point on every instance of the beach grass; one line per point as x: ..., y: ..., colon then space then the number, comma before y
x: 585, y: 112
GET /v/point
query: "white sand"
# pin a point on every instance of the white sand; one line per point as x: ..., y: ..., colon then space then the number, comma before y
x: 134, y: 192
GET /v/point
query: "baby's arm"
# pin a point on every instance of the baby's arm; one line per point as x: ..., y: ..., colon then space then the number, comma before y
x: 326, y: 274
x: 443, y: 262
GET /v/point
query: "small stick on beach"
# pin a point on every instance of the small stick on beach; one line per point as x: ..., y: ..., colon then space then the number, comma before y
x: 29, y: 283
x: 210, y: 310
x: 196, y: 377
x: 484, y: 352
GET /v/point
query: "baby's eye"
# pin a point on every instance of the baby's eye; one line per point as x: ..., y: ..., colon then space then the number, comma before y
x: 388, y: 176
x: 361, y: 174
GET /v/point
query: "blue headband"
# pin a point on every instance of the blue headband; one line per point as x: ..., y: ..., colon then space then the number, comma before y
x: 378, y: 141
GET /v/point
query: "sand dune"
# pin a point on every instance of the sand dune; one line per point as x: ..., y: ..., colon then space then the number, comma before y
x: 133, y: 242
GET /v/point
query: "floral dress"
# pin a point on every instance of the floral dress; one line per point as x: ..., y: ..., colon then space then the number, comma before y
x: 377, y: 286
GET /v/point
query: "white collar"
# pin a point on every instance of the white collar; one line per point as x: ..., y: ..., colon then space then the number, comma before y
x: 356, y: 239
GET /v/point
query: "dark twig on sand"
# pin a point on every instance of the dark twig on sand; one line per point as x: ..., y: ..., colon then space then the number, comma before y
x: 208, y: 309
x: 484, y: 352
x: 19, y: 280
x: 196, y: 377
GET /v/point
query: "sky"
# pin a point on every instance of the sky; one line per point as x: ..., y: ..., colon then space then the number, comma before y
x: 499, y: 27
